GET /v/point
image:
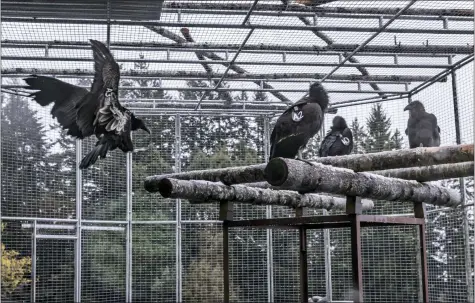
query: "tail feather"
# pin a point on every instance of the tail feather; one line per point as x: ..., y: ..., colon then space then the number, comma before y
x: 100, y: 150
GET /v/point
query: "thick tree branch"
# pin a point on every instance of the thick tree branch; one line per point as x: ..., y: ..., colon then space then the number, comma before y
x: 430, y: 173
x: 297, y: 175
x: 404, y: 158
x: 208, y: 192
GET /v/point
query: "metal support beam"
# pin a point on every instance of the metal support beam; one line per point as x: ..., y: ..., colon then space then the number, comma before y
x: 192, y: 74
x: 226, y: 215
x: 128, y: 234
x: 367, y: 41
x: 78, y: 243
x: 303, y: 262
x: 269, y: 27
x: 333, y: 49
x: 227, y: 89
x: 229, y: 63
x: 269, y: 232
x: 33, y: 263
x: 178, y: 227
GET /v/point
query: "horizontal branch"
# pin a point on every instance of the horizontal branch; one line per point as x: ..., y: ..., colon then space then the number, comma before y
x: 360, y: 162
x: 430, y: 173
x: 204, y: 75
x: 297, y: 175
x: 182, y: 45
x: 208, y: 192
x: 402, y: 158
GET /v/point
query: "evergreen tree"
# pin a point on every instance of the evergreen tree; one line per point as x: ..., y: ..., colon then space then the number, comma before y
x: 378, y: 126
x: 359, y: 137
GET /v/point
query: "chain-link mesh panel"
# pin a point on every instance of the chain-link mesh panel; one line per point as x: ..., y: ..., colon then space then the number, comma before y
x: 153, y: 263
x: 292, y: 44
x: 103, y: 266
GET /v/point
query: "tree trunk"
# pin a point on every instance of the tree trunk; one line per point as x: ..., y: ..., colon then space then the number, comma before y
x: 361, y: 162
x: 298, y: 175
x: 430, y: 173
x: 402, y: 158
x: 208, y: 192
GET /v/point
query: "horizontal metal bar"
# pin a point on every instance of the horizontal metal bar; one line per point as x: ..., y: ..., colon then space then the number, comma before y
x: 333, y: 49
x: 239, y: 26
x: 390, y: 220
x: 310, y: 14
x: 203, y: 75
x: 269, y: 7
x: 102, y: 228
x: 49, y: 226
x: 259, y: 63
x: 103, y: 221
x: 291, y: 221
x: 302, y: 80
x: 56, y: 237
x: 229, y: 89
x: 14, y: 218
x: 10, y: 8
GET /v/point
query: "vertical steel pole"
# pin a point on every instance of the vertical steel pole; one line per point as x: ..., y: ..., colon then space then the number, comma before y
x: 270, y: 255
x: 178, y: 252
x: 128, y: 233
x: 108, y: 24
x: 466, y: 228
x: 33, y: 263
x: 78, y: 244
x: 327, y: 245
x: 1, y: 189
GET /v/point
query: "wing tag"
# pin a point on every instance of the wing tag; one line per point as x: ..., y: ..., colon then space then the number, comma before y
x: 297, y: 116
x: 345, y: 141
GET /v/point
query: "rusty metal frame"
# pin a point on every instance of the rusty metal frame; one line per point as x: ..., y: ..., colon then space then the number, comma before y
x: 353, y: 219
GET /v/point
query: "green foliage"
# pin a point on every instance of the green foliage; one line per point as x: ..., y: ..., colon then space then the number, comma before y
x: 203, y: 281
x: 15, y: 269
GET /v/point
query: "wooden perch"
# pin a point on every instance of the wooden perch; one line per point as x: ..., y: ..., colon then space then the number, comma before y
x: 361, y: 162
x: 301, y: 176
x: 228, y: 176
x: 430, y: 173
x: 208, y: 192
x: 422, y: 156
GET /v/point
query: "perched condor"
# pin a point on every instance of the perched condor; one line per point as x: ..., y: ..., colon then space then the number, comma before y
x: 338, y: 141
x: 422, y: 128
x: 299, y: 123
x: 97, y: 112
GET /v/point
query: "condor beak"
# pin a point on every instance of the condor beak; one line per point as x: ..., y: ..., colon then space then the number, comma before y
x: 407, y: 107
x: 146, y: 129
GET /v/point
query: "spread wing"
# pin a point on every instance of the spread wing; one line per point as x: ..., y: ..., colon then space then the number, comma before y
x: 64, y: 97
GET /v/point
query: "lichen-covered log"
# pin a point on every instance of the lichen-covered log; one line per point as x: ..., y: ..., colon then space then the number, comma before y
x: 361, y: 162
x: 209, y: 192
x: 301, y: 176
x: 230, y: 175
x: 429, y: 173
x: 402, y: 158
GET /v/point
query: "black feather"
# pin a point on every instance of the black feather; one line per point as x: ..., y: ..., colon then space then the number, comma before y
x: 338, y: 141
x: 64, y: 96
x: 299, y: 123
x: 422, y: 128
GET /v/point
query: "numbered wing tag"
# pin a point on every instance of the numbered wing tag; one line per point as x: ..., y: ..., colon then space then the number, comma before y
x: 297, y: 115
x: 345, y: 140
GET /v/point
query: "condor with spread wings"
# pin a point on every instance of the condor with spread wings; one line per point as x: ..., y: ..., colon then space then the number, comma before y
x: 97, y: 112
x: 299, y: 123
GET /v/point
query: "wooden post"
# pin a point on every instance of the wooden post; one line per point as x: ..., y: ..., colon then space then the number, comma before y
x: 303, y: 258
x: 226, y: 214
x: 354, y: 209
x: 419, y: 212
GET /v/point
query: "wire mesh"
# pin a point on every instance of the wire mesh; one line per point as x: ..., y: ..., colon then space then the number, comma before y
x: 171, y: 257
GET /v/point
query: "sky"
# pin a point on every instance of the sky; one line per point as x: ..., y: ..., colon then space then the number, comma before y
x: 437, y: 98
